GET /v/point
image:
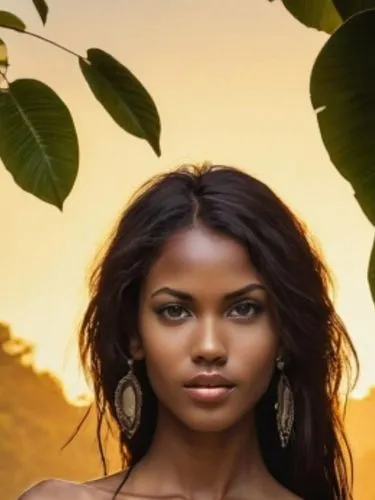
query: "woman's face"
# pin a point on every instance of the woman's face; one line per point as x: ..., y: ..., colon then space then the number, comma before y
x: 207, y: 331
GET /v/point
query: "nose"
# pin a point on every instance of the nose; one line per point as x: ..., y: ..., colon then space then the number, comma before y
x: 208, y: 346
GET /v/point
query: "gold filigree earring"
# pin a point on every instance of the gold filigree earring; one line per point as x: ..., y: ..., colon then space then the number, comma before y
x: 284, y: 406
x: 128, y: 402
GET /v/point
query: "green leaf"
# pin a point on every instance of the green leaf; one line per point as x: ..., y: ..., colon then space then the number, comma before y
x: 9, y: 20
x: 371, y: 272
x: 3, y: 56
x: 42, y: 8
x: 348, y: 8
x: 319, y: 14
x: 342, y: 87
x: 38, y: 140
x: 123, y: 96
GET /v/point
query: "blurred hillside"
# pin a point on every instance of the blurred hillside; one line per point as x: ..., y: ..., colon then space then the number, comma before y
x: 360, y: 423
x: 36, y: 421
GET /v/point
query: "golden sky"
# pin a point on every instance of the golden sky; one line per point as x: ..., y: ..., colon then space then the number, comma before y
x: 230, y: 79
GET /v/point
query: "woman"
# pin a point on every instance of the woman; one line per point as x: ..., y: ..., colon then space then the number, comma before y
x: 212, y: 341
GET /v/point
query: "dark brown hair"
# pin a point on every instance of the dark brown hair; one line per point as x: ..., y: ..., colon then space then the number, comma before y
x: 317, y: 463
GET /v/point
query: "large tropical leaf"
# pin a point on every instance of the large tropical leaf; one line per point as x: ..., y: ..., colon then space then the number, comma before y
x: 343, y: 94
x: 325, y: 15
x: 123, y: 96
x: 38, y: 141
x: 9, y: 20
x: 342, y: 90
x: 42, y: 8
x: 347, y: 8
x: 319, y: 14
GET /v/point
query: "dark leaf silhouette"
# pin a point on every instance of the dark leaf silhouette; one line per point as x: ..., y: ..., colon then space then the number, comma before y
x: 38, y: 140
x: 9, y: 20
x: 348, y: 8
x: 42, y: 8
x: 123, y: 96
x: 319, y: 14
x: 343, y: 94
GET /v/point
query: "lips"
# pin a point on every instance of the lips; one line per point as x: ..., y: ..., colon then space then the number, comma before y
x: 209, y: 388
x: 209, y: 380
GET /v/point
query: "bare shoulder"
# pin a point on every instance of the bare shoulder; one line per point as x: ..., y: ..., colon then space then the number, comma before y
x: 55, y: 489
x: 107, y: 484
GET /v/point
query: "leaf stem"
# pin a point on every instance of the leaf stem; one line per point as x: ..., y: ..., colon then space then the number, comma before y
x: 40, y: 37
x: 4, y: 77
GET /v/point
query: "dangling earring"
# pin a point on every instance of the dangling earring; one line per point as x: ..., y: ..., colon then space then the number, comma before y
x: 128, y: 402
x: 284, y: 406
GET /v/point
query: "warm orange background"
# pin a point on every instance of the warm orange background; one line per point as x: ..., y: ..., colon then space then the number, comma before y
x: 230, y: 79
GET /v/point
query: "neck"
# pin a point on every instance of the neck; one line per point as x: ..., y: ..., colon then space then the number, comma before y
x: 196, y: 463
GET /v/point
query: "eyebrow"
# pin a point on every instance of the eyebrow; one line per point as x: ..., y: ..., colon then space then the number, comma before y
x: 187, y: 296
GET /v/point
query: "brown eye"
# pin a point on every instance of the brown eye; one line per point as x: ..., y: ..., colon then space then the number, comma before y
x: 246, y: 309
x: 173, y: 312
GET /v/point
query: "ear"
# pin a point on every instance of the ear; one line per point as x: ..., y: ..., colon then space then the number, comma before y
x: 136, y: 348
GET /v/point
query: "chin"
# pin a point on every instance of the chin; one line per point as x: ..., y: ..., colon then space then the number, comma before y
x: 209, y: 422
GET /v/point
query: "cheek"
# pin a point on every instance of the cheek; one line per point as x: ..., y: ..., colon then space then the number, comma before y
x: 255, y: 359
x: 163, y: 368
x: 162, y: 348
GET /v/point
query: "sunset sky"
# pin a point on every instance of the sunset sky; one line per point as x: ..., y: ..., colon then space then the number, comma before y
x: 230, y: 79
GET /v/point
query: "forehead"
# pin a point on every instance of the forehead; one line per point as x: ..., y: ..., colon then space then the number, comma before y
x: 200, y: 255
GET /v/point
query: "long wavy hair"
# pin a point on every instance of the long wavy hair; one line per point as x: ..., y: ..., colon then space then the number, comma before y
x: 317, y: 463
